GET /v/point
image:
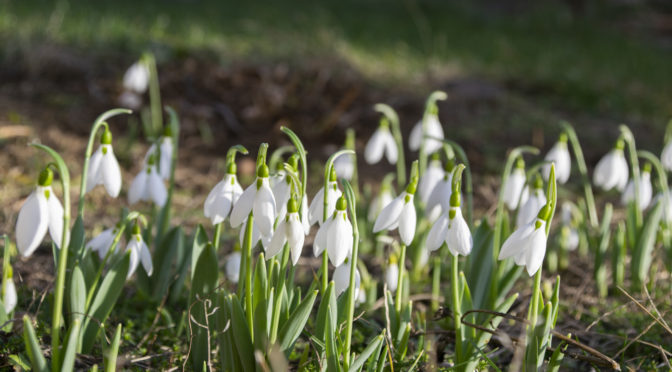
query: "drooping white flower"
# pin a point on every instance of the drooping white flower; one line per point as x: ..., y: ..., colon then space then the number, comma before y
x: 148, y: 186
x: 400, y: 213
x: 339, y: 234
x: 569, y: 233
x: 344, y: 166
x: 139, y: 253
x: 136, y: 78
x: 130, y: 100
x: 559, y: 154
x: 282, y: 191
x: 379, y: 202
x: 223, y: 197
x: 9, y: 297
x: 290, y: 231
x: 527, y: 246
x: 428, y: 181
x: 256, y: 236
x: 612, y: 170
x: 531, y: 207
x: 316, y: 210
x: 342, y: 279
x: 102, y: 242
x: 513, y: 187
x: 104, y: 168
x: 40, y: 212
x: 666, y: 157
x: 304, y: 215
x: 165, y: 156
x: 433, y: 129
x: 258, y: 199
x: 452, y: 229
x: 381, y: 143
x: 645, y: 190
x: 392, y: 275
x: 361, y: 295
x: 233, y: 266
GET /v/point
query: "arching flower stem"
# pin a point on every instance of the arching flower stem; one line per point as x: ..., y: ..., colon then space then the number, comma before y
x: 629, y: 139
x: 583, y: 170
x: 352, y: 205
x: 430, y: 109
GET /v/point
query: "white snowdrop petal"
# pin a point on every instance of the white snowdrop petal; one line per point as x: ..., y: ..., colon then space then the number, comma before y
x: 136, y: 78
x: 209, y: 207
x: 391, y: 151
x: 513, y: 244
x: 559, y: 155
x: 435, y: 130
x: 407, y: 223
x: 243, y: 207
x: 146, y: 258
x: 166, y: 157
x: 429, y: 180
x: 390, y: 214
x: 459, y: 239
x: 136, y: 191
x: 320, y: 242
x: 110, y: 173
x: 133, y: 246
x: 344, y: 166
x: 263, y: 209
x: 295, y: 237
x: 666, y: 156
x: 9, y: 298
x: 392, y: 277
x: 316, y: 207
x: 55, y: 219
x: 93, y: 173
x: 304, y: 215
x: 32, y: 223
x: 342, y: 279
x: 277, y: 241
x: 440, y: 195
x: 156, y: 189
x: 536, y: 251
x: 233, y: 267
x: 256, y: 235
x: 339, y: 242
x: 513, y: 188
x: 373, y: 152
x: 281, y: 193
x: 437, y: 233
x: 415, y: 138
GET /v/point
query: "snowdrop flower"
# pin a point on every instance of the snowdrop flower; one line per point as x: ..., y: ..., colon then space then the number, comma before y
x: 433, y: 129
x: 9, y: 297
x: 136, y: 78
x: 439, y: 199
x: 316, y: 210
x: 282, y: 191
x: 645, y: 189
x: 139, y: 253
x: 361, y: 296
x: 148, y: 186
x: 428, y: 181
x: 612, y: 170
x: 233, y: 265
x: 400, y: 213
x: 392, y: 274
x: 569, y: 234
x: 379, y: 202
x: 529, y: 209
x: 344, y: 166
x: 527, y: 245
x: 335, y: 235
x: 104, y: 168
x: 513, y: 187
x: 666, y: 156
x: 452, y: 229
x: 223, y: 196
x: 342, y: 279
x: 102, y: 242
x: 381, y: 143
x: 290, y: 231
x: 559, y: 154
x: 165, y: 156
x: 258, y: 199
x: 40, y: 212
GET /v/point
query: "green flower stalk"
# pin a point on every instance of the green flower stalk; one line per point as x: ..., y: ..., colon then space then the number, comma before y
x: 583, y: 170
x: 350, y: 196
x: 629, y: 139
x: 431, y: 111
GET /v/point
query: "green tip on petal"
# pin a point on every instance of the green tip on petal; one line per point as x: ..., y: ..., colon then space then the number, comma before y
x: 136, y: 229
x: 106, y: 138
x: 293, y: 161
x: 455, y: 199
x: 562, y: 138
x: 332, y: 175
x: 341, y: 204
x: 538, y: 182
x: 262, y: 171
x: 231, y: 168
x: 292, y: 206
x: 46, y: 177
x: 520, y: 163
x: 646, y: 168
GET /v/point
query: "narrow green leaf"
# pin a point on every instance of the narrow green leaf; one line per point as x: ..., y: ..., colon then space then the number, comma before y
x: 372, y: 347
x: 203, y: 286
x: 333, y: 364
x: 33, y: 346
x: 241, y: 335
x: 199, y: 244
x: 260, y: 281
x: 164, y: 261
x: 110, y: 356
x: 77, y: 294
x: 556, y: 358
x: 643, y: 255
x: 327, y: 302
x: 71, y: 347
x: 104, y: 301
x: 297, y: 321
